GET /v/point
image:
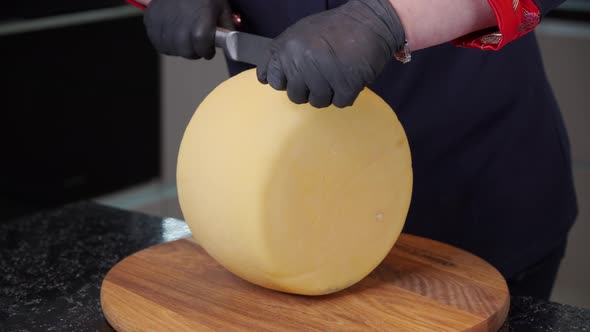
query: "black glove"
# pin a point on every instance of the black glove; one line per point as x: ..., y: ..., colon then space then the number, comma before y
x: 329, y: 57
x: 186, y: 27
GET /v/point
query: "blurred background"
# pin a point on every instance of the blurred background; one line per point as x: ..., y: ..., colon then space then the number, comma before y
x: 91, y: 112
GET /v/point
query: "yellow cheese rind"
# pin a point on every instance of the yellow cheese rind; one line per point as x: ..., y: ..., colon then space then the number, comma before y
x: 290, y: 197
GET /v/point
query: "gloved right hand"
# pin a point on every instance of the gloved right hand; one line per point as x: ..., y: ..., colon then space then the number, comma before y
x: 186, y: 28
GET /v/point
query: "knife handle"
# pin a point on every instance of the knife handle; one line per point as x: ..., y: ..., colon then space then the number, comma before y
x: 236, y: 18
x: 136, y: 4
x: 221, y: 36
x: 227, y: 40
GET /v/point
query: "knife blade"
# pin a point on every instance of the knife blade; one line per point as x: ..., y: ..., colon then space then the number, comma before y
x: 241, y: 46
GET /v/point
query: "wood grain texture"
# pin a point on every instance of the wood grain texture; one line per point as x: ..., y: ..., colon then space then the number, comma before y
x: 422, y: 285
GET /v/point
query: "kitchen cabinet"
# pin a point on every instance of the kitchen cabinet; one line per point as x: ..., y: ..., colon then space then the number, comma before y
x: 79, y: 94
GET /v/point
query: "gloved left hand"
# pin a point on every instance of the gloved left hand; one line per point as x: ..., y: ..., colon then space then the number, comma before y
x: 330, y: 57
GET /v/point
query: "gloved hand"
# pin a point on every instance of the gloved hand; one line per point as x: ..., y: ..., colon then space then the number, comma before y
x: 329, y: 57
x: 186, y: 27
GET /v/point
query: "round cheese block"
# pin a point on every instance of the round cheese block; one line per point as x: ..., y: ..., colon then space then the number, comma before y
x: 291, y: 197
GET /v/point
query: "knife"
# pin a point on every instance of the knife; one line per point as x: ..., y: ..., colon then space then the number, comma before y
x: 238, y: 46
x: 241, y: 46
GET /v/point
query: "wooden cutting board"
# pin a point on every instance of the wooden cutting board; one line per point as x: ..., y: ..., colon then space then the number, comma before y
x: 422, y: 285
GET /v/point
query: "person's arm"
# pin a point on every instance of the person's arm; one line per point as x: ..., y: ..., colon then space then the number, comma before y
x: 185, y: 28
x: 329, y: 57
x: 432, y: 22
x: 466, y: 21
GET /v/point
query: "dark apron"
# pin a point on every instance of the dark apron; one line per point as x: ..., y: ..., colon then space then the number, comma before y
x: 492, y: 168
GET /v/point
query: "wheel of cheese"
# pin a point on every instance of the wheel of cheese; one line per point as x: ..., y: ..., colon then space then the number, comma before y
x: 290, y: 197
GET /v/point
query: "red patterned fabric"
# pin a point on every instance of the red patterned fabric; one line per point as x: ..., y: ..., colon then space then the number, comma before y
x: 515, y: 18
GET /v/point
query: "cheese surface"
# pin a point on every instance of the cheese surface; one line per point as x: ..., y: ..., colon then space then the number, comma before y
x: 290, y: 197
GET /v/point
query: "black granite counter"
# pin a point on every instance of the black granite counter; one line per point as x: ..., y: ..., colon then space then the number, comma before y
x: 52, y: 265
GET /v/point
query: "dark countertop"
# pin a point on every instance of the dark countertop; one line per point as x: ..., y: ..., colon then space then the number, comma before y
x: 52, y: 265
